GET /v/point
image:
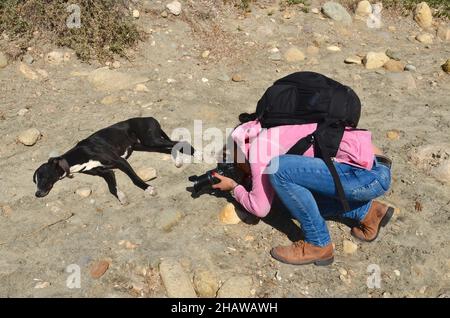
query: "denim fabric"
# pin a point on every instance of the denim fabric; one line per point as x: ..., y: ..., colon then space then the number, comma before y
x: 306, y: 187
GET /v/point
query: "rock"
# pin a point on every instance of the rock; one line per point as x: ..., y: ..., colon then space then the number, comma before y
x: 236, y: 287
x: 312, y: 50
x: 206, y: 284
x: 425, y: 38
x: 22, y: 111
x: 168, y: 219
x: 110, y: 99
x: 442, y: 172
x: 363, y: 9
x: 393, y: 55
x: 84, y: 192
x: 393, y: 135
x: 41, y: 285
x: 136, y: 14
x: 353, y: 60
x: 99, y: 268
x: 402, y: 80
x: 275, y: 57
x: 105, y: 79
x: 333, y: 48
x: 29, y: 137
x: 443, y: 33
x: 147, y: 174
x: 3, y: 60
x: 349, y: 247
x: 141, y: 88
x: 396, y: 272
x: 228, y: 215
x: 394, y: 66
x: 55, y: 57
x: 375, y: 60
x: 27, y: 58
x: 336, y: 12
x: 164, y: 14
x: 315, y: 10
x: 446, y: 66
x: 174, y: 7
x: 205, y: 54
x: 293, y: 54
x: 423, y: 16
x: 175, y: 280
x: 237, y: 78
x: 410, y: 68
x: 27, y: 72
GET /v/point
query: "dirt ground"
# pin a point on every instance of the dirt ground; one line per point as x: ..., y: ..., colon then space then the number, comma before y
x: 39, y: 238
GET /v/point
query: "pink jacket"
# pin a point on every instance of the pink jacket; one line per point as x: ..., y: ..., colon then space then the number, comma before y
x: 261, y: 145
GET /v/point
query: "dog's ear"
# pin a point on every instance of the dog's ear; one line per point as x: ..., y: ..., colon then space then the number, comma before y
x: 34, y: 176
x: 60, y: 162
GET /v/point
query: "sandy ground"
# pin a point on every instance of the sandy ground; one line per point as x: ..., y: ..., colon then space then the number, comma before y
x: 39, y: 238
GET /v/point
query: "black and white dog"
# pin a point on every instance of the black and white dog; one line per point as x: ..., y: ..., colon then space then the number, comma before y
x: 108, y: 149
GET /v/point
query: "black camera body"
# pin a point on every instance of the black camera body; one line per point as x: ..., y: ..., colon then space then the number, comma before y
x: 207, y: 180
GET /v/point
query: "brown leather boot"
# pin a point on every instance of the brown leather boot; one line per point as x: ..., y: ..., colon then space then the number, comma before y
x: 379, y: 215
x: 302, y: 253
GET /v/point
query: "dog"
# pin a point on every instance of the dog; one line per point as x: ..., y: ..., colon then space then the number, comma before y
x: 108, y: 149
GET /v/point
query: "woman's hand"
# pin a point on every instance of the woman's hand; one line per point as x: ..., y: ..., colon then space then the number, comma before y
x: 225, y: 184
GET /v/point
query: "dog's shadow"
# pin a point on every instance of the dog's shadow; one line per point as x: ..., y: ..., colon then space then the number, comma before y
x: 279, y: 217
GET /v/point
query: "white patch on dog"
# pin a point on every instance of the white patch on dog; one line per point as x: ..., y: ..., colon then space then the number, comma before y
x: 125, y: 154
x: 91, y: 164
x: 150, y: 191
x: 122, y: 197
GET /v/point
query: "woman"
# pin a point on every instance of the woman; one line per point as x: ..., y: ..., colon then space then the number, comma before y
x: 306, y: 187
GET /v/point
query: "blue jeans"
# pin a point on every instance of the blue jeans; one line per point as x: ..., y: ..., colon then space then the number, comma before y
x: 306, y: 188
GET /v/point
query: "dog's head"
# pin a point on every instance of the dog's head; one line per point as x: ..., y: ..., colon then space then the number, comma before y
x: 48, y: 174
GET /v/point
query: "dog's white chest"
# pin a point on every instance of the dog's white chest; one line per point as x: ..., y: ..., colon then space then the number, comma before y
x: 91, y: 164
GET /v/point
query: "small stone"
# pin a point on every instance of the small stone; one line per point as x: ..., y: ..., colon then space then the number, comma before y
x: 23, y: 111
x: 443, y: 33
x: 174, y: 7
x: 116, y: 64
x: 141, y: 88
x: 363, y: 9
x: 99, y: 268
x: 164, y: 14
x: 349, y: 247
x: 423, y: 289
x: 136, y: 14
x: 425, y: 38
x: 228, y: 215
x: 312, y: 50
x: 27, y: 58
x: 393, y: 55
x: 397, y: 272
x: 293, y: 54
x: 3, y: 60
x: 423, y: 16
x: 205, y: 80
x: 170, y: 81
x: 236, y: 287
x: 394, y: 66
x: 288, y: 15
x: 343, y: 271
x: 29, y: 137
x: 333, y: 48
x: 275, y: 57
x: 336, y: 12
x: 41, y: 285
x: 375, y: 60
x: 175, y: 280
x: 147, y: 174
x: 237, y: 78
x: 315, y: 10
x: 353, y: 60
x: 446, y: 66
x: 205, y: 54
x: 410, y: 68
x: 393, y: 135
x: 206, y: 283
x: 167, y: 220
x: 84, y: 192
x: 27, y: 72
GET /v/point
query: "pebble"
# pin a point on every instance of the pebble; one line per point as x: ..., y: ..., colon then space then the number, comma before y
x: 394, y: 66
x: 228, y: 215
x: 315, y: 10
x: 375, y: 60
x: 99, y: 268
x: 175, y: 280
x: 275, y: 57
x: 3, y: 60
x: 393, y: 135
x: 236, y: 287
x: 174, y: 7
x: 23, y: 111
x: 84, y: 192
x: 333, y: 48
x: 293, y: 54
x: 349, y: 247
x: 397, y: 272
x: 206, y: 283
x: 425, y: 38
x: 136, y: 14
x: 141, y: 88
x: 336, y: 12
x: 363, y: 9
x: 393, y: 55
x: 205, y: 54
x: 446, y: 66
x: 29, y: 137
x: 353, y: 60
x: 410, y: 68
x: 343, y: 271
x: 423, y: 15
x: 237, y: 78
x: 164, y: 14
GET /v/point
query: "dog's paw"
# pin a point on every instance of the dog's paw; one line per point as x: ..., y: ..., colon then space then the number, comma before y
x: 151, y: 191
x: 122, y: 197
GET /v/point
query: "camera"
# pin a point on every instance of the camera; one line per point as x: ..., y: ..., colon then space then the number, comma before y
x: 207, y: 180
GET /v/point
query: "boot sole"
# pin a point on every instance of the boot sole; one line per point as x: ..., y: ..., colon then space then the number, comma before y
x: 384, y: 221
x: 324, y: 262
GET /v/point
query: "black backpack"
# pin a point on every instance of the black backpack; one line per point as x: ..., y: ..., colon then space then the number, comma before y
x: 308, y: 97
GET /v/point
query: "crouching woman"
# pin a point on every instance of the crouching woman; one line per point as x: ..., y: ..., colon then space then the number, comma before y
x: 306, y: 187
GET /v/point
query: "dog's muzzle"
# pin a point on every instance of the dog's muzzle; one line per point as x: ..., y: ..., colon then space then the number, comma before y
x: 41, y: 194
